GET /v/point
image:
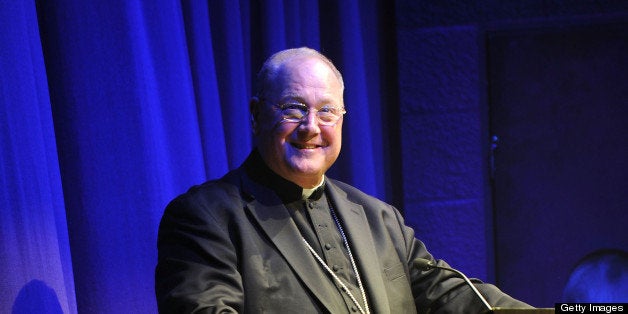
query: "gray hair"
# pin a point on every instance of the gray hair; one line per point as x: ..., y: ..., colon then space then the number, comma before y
x: 271, y: 66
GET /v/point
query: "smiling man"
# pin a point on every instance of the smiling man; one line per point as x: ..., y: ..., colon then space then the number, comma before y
x: 297, y: 116
x: 278, y: 236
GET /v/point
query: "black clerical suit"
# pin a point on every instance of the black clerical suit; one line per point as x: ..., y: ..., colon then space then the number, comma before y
x: 236, y: 245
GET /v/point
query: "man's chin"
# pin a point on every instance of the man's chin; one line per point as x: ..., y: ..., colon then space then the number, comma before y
x: 307, y: 170
x: 306, y: 167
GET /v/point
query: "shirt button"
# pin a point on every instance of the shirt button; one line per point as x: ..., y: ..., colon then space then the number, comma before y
x: 328, y: 246
x: 354, y: 309
x: 335, y: 267
x: 311, y: 205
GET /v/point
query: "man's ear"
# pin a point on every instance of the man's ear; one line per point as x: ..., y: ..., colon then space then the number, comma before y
x: 254, y: 109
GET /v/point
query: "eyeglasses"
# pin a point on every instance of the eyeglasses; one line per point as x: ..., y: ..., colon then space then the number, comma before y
x: 295, y: 112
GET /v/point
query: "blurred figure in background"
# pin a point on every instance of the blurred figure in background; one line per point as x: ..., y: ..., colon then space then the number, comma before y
x: 600, y: 277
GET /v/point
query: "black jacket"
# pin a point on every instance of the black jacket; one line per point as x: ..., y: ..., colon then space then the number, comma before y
x: 230, y: 245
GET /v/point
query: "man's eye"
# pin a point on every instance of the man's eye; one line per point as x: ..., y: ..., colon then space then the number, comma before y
x: 294, y: 107
x: 329, y: 110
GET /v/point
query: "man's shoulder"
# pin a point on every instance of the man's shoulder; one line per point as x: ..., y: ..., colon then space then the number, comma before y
x: 355, y: 194
x: 215, y: 190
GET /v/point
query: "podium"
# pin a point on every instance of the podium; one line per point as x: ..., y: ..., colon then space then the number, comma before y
x: 498, y: 310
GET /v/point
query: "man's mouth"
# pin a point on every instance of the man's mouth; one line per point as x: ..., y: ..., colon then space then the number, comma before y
x: 305, y: 146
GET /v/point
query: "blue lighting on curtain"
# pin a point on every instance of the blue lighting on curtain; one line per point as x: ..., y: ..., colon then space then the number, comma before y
x: 112, y: 108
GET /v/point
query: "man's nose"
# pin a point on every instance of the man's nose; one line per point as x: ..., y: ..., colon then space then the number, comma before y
x: 310, y: 122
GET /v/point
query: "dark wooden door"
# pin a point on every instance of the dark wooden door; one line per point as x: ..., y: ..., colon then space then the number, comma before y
x: 559, y: 107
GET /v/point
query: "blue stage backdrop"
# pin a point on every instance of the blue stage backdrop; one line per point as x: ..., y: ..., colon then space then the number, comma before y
x: 109, y: 109
x: 112, y: 108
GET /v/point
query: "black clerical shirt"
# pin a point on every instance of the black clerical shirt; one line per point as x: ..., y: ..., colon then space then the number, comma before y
x: 314, y: 220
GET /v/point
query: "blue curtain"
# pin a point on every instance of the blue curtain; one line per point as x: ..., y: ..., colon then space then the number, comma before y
x: 112, y: 108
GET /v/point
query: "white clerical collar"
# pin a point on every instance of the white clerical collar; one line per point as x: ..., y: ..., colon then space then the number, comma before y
x: 306, y: 193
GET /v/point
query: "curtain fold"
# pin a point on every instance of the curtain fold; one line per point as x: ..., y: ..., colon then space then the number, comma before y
x: 128, y: 134
x: 205, y: 85
x: 112, y: 108
x: 36, y: 273
x: 230, y: 54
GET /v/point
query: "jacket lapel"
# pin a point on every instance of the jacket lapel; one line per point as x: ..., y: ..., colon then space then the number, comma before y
x: 362, y: 245
x: 276, y: 222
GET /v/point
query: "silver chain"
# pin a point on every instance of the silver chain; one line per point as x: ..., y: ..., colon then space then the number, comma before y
x: 355, y: 268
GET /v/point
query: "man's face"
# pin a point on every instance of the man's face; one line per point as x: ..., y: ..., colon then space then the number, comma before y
x: 299, y: 152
